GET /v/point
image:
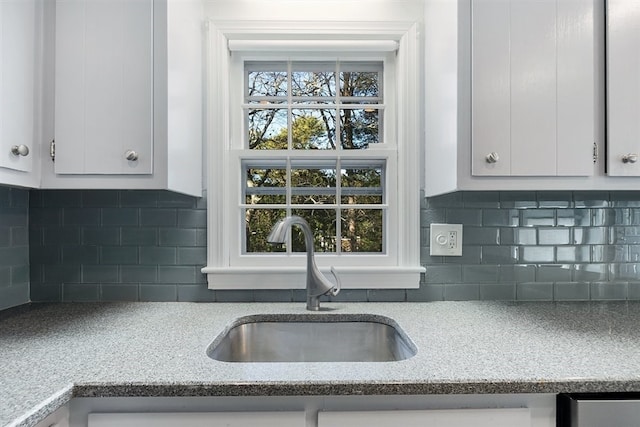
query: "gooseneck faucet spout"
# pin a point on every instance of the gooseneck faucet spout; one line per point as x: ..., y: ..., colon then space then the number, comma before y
x: 317, y: 283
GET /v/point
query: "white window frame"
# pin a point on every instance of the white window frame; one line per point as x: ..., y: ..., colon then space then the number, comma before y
x: 227, y: 267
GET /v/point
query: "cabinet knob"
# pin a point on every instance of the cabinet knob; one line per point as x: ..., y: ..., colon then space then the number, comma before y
x: 20, y: 150
x: 131, y: 155
x: 492, y: 157
x: 630, y: 158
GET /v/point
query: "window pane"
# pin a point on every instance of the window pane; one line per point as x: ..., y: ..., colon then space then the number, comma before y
x: 313, y: 129
x: 265, y: 186
x: 266, y: 79
x: 359, y: 128
x: 258, y: 224
x: 359, y: 83
x: 361, y: 185
x: 323, y: 226
x: 313, y: 186
x: 313, y: 83
x: 361, y: 230
x: 267, y: 129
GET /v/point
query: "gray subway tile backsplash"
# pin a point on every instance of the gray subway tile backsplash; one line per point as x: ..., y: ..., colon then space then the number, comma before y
x: 588, y: 199
x: 612, y: 253
x: 480, y: 274
x: 633, y: 290
x: 462, y: 292
x: 486, y: 235
x: 621, y: 199
x: 119, y: 292
x: 109, y: 245
x: 534, y: 291
x: 14, y: 247
x: 553, y: 273
x: 158, y: 255
x: 81, y: 292
x: 426, y: 292
x: 516, y: 273
x: 481, y: 199
x: 445, y: 273
x: 500, y: 217
x: 553, y: 236
x: 500, y: 254
x: 177, y: 274
x: 139, y: 274
x: 573, y: 217
x: 464, y: 216
x: 163, y: 292
x: 609, y: 291
x: 100, y: 273
x: 81, y: 216
x: 139, y: 236
x: 119, y: 255
x: 498, y: 292
x: 538, y: 217
x: 537, y: 254
x: 518, y: 199
x: 158, y: 217
x: 573, y: 253
x: 555, y: 199
x: 120, y: 216
x: 571, y: 291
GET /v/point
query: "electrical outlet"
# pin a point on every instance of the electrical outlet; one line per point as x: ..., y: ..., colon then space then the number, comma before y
x: 446, y: 240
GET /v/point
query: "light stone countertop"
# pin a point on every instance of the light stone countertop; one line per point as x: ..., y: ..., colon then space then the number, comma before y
x: 50, y: 353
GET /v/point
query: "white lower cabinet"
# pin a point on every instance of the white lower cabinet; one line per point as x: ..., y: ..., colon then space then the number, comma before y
x: 199, y: 419
x: 59, y: 418
x: 494, y: 410
x: 509, y: 417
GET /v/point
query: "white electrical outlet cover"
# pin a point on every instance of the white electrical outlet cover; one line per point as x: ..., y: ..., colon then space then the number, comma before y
x: 446, y: 240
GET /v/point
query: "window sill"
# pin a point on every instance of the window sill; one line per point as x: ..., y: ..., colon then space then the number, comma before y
x: 294, y: 277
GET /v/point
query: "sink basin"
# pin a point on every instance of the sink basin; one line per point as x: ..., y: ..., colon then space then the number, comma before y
x: 312, y: 338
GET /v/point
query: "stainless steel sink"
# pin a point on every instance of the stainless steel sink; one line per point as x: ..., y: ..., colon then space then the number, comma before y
x: 312, y: 338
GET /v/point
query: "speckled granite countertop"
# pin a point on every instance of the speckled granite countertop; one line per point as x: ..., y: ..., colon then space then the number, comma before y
x: 52, y: 352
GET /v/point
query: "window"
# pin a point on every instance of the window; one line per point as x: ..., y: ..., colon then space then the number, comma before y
x: 321, y: 127
x: 312, y: 112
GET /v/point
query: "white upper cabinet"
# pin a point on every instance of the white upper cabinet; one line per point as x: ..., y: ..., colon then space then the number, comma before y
x: 124, y: 105
x: 532, y: 87
x: 18, y: 95
x: 104, y: 87
x: 623, y: 87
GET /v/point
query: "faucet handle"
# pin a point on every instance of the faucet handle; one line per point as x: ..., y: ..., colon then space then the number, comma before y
x: 336, y: 289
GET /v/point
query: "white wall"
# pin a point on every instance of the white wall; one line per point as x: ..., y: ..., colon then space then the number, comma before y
x: 316, y: 10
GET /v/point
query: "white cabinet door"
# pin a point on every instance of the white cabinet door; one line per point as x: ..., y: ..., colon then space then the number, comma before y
x: 199, y: 419
x: 623, y: 87
x: 17, y: 80
x: 518, y: 417
x: 104, y: 87
x: 533, y: 87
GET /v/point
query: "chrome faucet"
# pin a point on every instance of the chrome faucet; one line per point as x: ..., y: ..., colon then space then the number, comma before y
x: 317, y: 283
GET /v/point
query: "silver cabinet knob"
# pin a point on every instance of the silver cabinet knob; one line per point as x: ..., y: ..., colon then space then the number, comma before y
x: 20, y: 150
x: 492, y: 157
x: 630, y: 158
x: 131, y: 155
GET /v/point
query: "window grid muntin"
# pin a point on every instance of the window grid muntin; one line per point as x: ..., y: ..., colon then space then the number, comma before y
x: 294, y: 162
x: 339, y: 102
